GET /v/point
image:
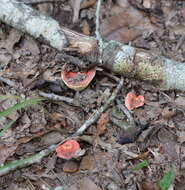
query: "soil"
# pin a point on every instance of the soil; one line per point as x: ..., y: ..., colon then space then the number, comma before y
x: 158, y: 137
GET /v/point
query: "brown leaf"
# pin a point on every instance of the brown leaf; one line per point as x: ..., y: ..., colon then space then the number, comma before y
x: 5, y: 152
x: 147, y: 185
x: 143, y: 155
x: 167, y: 113
x: 86, y: 183
x: 85, y: 28
x: 87, y: 4
x: 30, y: 44
x: 13, y: 38
x: 125, y: 24
x: 40, y: 133
x: 102, y: 123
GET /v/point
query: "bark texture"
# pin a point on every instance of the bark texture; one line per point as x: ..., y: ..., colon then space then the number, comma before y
x: 144, y: 65
x: 29, y: 20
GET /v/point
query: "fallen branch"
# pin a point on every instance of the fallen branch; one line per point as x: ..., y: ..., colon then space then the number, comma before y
x: 119, y: 58
x: 29, y: 20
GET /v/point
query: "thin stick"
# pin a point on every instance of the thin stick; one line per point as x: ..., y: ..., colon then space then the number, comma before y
x: 55, y: 97
x: 98, y: 112
x: 39, y: 1
x: 98, y: 35
x: 127, y: 113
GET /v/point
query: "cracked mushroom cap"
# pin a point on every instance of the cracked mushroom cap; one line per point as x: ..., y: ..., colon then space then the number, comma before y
x: 77, y: 80
x: 67, y: 149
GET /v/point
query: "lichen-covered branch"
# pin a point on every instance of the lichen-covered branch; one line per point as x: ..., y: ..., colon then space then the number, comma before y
x: 29, y: 20
x: 144, y: 65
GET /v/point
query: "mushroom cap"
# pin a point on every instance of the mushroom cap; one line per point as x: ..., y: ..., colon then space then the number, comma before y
x: 132, y: 101
x: 67, y: 149
x: 77, y: 80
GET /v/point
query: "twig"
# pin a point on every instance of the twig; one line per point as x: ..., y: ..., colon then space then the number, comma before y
x: 38, y: 1
x: 26, y: 161
x: 98, y: 35
x: 8, y: 81
x: 111, y: 76
x: 55, y: 97
x: 98, y: 112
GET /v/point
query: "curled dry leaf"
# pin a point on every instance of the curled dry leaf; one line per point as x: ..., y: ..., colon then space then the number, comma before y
x: 132, y: 101
x: 101, y: 123
x: 67, y: 150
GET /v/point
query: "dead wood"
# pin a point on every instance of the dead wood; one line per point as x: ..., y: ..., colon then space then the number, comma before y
x: 119, y: 58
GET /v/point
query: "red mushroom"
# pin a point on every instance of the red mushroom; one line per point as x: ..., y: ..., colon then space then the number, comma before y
x: 132, y: 101
x: 67, y: 150
x: 77, y: 80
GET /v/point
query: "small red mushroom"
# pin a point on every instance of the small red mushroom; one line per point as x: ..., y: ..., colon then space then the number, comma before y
x: 77, y: 80
x: 132, y: 101
x: 67, y: 149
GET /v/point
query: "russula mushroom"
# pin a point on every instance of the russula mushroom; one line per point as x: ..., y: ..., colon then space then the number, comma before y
x: 67, y: 150
x: 132, y: 101
x: 77, y: 80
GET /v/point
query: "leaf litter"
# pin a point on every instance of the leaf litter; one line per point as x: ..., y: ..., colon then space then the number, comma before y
x: 108, y: 166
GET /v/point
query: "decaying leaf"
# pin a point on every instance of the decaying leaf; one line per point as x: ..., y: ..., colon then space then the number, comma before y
x: 13, y: 38
x: 148, y: 185
x: 125, y: 24
x: 86, y: 183
x: 5, y: 152
x: 102, y: 123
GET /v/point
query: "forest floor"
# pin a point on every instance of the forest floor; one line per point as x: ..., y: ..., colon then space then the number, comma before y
x: 152, y: 161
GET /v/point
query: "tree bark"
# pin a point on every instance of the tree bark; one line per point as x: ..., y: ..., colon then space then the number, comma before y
x: 27, y: 19
x: 144, y: 65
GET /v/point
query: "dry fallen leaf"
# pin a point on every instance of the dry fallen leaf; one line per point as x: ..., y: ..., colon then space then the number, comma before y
x: 5, y: 152
x: 125, y: 24
x: 167, y: 113
x: 102, y: 123
x: 148, y: 185
x: 13, y: 38
x: 86, y: 183
x: 85, y: 28
x: 87, y: 4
